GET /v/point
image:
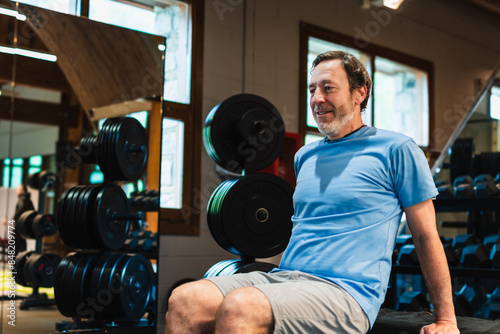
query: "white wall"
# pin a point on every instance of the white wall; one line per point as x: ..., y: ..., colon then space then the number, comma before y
x: 459, y: 39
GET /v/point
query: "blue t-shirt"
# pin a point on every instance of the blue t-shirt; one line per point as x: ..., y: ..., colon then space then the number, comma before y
x: 348, y: 204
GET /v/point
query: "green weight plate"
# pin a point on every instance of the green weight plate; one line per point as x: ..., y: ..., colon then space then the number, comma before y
x: 253, y: 216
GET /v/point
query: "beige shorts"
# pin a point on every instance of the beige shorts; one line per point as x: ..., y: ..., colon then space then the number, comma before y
x: 302, y: 303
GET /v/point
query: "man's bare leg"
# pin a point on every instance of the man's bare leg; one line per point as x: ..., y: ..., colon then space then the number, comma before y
x: 192, y: 308
x: 199, y: 307
x: 245, y: 310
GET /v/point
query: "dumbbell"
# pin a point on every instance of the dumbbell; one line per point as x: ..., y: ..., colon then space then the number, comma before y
x: 462, y: 240
x: 401, y: 240
x: 445, y: 191
x: 490, y: 240
x: 493, y: 305
x: 484, y: 186
x: 41, y: 179
x: 412, y: 301
x: 36, y: 269
x: 463, y: 187
x: 494, y: 256
x: 32, y: 225
x: 470, y: 301
x: 408, y: 255
x: 475, y: 256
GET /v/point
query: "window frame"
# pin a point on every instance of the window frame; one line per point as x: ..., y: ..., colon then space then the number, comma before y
x: 186, y: 220
x: 308, y: 30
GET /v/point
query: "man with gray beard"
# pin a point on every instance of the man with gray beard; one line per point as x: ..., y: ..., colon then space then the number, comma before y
x: 352, y: 190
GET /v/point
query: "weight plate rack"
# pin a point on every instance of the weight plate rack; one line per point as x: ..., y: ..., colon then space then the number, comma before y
x: 248, y: 216
x: 101, y: 284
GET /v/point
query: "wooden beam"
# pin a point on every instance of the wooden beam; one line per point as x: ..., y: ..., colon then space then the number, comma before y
x: 33, y: 72
x: 39, y: 112
x: 104, y: 64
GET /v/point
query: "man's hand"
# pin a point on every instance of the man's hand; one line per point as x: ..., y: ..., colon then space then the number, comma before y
x: 440, y: 327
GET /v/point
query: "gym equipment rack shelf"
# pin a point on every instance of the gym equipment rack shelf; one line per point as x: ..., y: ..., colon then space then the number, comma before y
x: 454, y: 271
x: 467, y: 204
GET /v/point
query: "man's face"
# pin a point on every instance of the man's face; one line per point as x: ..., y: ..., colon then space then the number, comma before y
x: 332, y: 103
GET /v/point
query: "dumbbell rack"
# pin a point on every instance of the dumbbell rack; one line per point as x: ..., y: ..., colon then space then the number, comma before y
x: 37, y: 299
x: 471, y: 205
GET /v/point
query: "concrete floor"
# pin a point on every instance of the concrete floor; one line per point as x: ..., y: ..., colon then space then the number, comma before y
x: 35, y: 320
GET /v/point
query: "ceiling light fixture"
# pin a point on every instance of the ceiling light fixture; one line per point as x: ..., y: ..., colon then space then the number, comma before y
x: 13, y: 13
x: 393, y: 4
x: 28, y: 53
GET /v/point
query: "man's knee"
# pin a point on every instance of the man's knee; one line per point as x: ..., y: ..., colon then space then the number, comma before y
x: 193, y: 303
x: 181, y: 297
x: 247, y: 305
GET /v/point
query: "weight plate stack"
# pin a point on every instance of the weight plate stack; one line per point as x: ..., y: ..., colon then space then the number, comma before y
x: 122, y: 149
x: 86, y: 217
x: 106, y: 286
x: 251, y: 215
x: 244, y: 130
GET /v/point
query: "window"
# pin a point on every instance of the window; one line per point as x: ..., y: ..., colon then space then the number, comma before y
x: 400, y: 97
x: 495, y: 101
x: 172, y: 161
x: 34, y: 164
x: 181, y: 23
x: 171, y: 21
x: 62, y: 6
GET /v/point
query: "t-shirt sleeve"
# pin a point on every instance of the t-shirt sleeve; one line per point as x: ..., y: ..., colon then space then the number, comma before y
x: 413, y: 182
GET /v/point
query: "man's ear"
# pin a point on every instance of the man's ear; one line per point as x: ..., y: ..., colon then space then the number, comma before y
x: 360, y: 94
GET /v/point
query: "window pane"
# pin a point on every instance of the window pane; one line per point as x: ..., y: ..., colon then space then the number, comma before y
x: 96, y: 177
x: 35, y: 160
x: 6, y: 176
x: 17, y: 177
x: 172, y: 21
x: 18, y: 162
x: 309, y: 138
x: 401, y: 100
x: 495, y: 102
x: 33, y: 170
x: 62, y: 6
x: 172, y: 165
x: 318, y: 46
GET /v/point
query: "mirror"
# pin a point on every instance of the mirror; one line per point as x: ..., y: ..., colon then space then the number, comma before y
x: 471, y: 150
x: 95, y: 71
